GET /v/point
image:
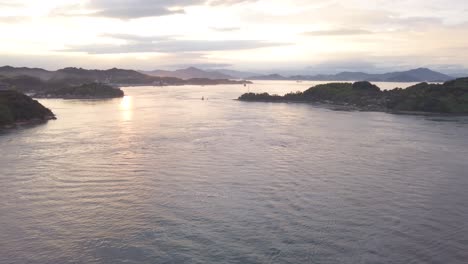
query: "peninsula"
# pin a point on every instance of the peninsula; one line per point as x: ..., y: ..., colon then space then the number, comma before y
x: 450, y: 97
x: 17, y: 108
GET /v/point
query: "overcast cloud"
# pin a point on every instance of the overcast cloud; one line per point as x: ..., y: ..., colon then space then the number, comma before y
x: 255, y: 35
x: 138, y: 44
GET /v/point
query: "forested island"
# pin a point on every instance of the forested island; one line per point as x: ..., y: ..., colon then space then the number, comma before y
x: 17, y: 108
x: 450, y: 97
x: 84, y: 91
x: 59, y: 89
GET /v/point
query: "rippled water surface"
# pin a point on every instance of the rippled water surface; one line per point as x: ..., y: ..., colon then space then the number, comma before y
x: 161, y: 176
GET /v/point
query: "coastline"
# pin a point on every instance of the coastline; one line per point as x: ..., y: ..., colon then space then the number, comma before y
x: 354, y: 108
x: 449, y: 98
x: 19, y: 109
x: 35, y: 121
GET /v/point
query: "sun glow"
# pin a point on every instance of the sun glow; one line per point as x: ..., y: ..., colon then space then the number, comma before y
x: 126, y: 108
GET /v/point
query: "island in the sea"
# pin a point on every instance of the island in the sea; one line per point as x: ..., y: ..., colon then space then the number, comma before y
x: 449, y: 97
x: 17, y: 108
x: 84, y: 91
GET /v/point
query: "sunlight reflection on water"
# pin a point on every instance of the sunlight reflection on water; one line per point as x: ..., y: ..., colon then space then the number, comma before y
x: 126, y: 108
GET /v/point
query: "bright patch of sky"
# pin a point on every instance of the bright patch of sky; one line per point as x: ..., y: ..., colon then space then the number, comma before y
x: 303, y: 36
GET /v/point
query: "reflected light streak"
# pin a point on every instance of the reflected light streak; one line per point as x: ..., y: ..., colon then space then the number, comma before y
x: 126, y: 108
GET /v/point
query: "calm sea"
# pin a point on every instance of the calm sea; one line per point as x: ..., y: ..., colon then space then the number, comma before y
x: 161, y: 176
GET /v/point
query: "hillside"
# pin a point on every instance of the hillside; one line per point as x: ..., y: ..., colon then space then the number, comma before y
x: 450, y: 97
x: 35, y: 80
x: 16, y: 108
x: 22, y: 83
x: 8, y: 71
x: 118, y: 76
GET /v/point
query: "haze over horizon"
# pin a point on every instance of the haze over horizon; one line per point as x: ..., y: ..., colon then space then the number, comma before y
x: 263, y: 36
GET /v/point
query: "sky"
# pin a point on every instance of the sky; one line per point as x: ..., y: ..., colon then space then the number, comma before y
x: 286, y: 36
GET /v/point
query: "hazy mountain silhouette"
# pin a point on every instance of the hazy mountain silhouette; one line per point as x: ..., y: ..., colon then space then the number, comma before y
x: 77, y: 76
x: 8, y: 71
x: 415, y: 75
x: 134, y: 77
x: 270, y: 77
x: 111, y: 75
x: 235, y: 74
x: 189, y: 73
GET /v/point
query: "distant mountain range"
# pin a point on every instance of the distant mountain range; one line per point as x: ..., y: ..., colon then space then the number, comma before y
x: 26, y: 77
x: 236, y: 74
x: 184, y: 76
x: 192, y: 72
x: 188, y: 73
x: 415, y: 75
x: 79, y: 75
